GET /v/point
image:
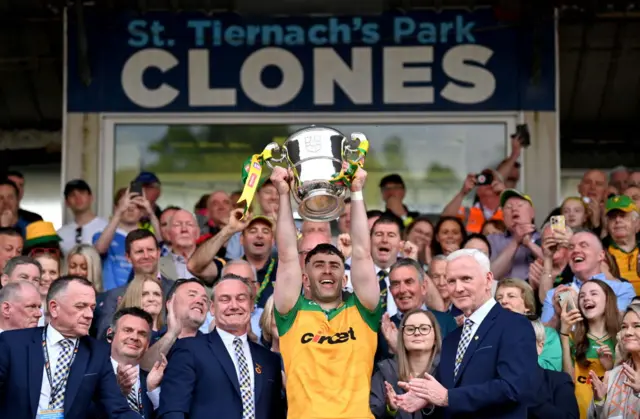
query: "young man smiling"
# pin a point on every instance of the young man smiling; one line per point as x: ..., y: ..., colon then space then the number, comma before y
x: 328, y: 375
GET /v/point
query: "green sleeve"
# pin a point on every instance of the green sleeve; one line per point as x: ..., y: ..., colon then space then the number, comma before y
x: 551, y: 356
x: 285, y: 321
x: 371, y: 318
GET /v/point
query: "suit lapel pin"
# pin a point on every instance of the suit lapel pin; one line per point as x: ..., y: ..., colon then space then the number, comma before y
x: 476, y: 338
x: 258, y: 369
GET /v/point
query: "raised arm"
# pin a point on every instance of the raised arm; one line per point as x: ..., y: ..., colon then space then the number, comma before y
x: 202, y: 263
x: 289, y: 274
x: 363, y: 273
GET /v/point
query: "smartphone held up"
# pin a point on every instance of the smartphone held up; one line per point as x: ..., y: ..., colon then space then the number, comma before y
x: 135, y: 188
x: 568, y: 297
x: 558, y: 223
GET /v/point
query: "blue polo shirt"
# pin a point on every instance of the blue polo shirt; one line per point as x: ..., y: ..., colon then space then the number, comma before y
x: 115, y: 266
x: 623, y: 290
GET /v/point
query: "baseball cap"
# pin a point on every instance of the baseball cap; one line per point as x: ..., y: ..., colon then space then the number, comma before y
x: 620, y: 203
x: 263, y: 219
x: 512, y: 193
x: 76, y: 185
x: 147, y: 178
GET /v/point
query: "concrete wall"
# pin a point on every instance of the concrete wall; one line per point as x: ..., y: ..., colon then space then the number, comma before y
x: 542, y: 162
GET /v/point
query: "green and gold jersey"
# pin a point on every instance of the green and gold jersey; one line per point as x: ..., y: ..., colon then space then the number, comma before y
x: 328, y: 358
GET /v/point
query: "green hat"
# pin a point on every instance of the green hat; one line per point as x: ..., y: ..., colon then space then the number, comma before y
x: 512, y: 193
x: 620, y: 203
x: 40, y: 232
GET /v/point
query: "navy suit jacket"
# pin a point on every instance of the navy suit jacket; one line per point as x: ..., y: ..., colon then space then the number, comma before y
x: 499, y: 373
x: 556, y: 397
x: 201, y: 381
x: 91, y: 378
x: 107, y: 303
x: 147, y: 406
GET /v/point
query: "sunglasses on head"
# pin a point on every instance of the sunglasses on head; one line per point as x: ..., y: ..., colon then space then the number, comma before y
x: 39, y: 251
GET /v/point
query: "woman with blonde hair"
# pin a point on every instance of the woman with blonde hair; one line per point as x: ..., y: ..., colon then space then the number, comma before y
x: 83, y: 260
x: 516, y: 295
x: 617, y: 395
x: 145, y: 292
x: 418, y: 350
x: 270, y: 338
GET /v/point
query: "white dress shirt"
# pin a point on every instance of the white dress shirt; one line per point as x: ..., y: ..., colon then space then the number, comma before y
x: 480, y: 314
x: 154, y: 396
x: 392, y: 309
x: 41, y: 320
x: 227, y: 339
x: 54, y: 348
x: 68, y: 233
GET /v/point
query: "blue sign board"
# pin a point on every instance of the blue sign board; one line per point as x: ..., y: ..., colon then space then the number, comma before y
x: 418, y: 62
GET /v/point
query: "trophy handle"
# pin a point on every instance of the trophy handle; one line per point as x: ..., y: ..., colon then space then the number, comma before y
x: 352, y: 147
x: 270, y: 150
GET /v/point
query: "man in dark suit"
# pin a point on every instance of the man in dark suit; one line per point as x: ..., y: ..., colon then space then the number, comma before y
x: 489, y: 367
x: 408, y: 286
x: 143, y: 253
x: 223, y: 373
x: 59, y: 366
x: 129, y: 336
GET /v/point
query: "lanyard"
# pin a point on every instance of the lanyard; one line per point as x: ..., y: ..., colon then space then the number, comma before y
x: 47, y: 366
x: 267, y: 279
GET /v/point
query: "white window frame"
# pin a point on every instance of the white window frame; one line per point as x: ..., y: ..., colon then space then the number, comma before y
x: 108, y: 122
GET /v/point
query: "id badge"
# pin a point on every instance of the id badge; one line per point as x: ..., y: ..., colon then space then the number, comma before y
x: 51, y: 414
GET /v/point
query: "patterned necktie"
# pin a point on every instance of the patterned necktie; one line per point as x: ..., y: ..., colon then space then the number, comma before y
x: 132, y: 399
x: 382, y: 275
x: 61, y: 374
x: 246, y: 390
x: 463, y: 344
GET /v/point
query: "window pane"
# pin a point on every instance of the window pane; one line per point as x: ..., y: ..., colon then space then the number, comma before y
x: 192, y: 160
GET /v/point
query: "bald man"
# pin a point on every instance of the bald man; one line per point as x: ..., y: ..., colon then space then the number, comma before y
x: 593, y: 190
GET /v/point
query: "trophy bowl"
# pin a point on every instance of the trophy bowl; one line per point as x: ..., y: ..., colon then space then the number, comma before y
x: 316, y: 155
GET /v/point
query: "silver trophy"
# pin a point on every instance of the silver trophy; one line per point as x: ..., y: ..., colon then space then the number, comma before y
x: 316, y: 154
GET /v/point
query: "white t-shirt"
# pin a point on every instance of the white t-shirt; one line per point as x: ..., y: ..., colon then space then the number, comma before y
x: 69, y: 232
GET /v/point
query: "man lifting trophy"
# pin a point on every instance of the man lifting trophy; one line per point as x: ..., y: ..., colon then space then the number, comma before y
x: 323, y: 163
x: 327, y: 341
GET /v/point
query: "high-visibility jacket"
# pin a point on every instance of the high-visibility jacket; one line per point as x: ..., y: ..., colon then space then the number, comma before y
x: 473, y: 218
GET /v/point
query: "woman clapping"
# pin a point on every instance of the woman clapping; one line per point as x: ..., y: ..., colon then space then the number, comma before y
x: 618, y: 394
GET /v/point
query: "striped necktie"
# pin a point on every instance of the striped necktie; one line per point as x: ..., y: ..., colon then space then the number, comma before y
x: 382, y: 276
x: 132, y: 399
x: 61, y: 375
x: 246, y: 390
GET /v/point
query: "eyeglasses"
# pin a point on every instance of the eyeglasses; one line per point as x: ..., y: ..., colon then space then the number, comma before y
x: 424, y: 329
x: 78, y: 235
